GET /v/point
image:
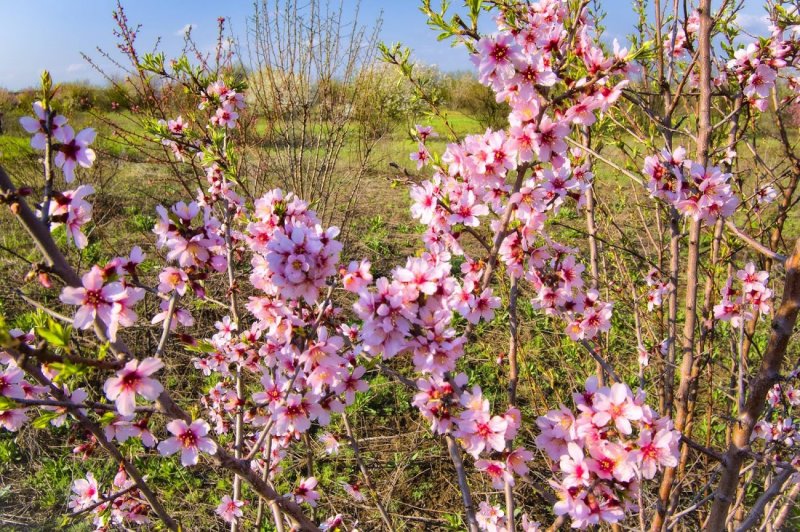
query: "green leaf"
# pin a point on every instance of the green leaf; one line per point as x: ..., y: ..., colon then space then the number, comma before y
x: 202, y: 346
x: 55, y: 334
x: 42, y: 421
x: 6, y: 403
x: 66, y: 370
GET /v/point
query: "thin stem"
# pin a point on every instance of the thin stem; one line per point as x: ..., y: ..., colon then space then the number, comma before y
x: 365, y: 473
x: 513, y: 378
x: 466, y: 496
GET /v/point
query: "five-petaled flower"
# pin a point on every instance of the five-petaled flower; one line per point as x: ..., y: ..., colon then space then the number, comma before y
x: 132, y: 379
x: 190, y: 440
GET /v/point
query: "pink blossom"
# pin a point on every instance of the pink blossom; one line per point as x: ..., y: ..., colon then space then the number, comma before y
x: 496, y: 471
x: 421, y: 156
x: 760, y: 82
x: 11, y: 381
x: 330, y: 442
x: 69, y: 208
x: 173, y: 279
x: 656, y: 451
x: 190, y: 440
x: 74, y: 151
x: 575, y: 467
x: 480, y: 432
x: 177, y: 126
x: 305, y: 492
x: 617, y: 407
x: 517, y: 460
x: 39, y: 126
x: 94, y: 298
x: 357, y: 276
x: 12, y: 420
x: 134, y: 379
x: 354, y: 491
x: 84, y: 493
x: 229, y: 509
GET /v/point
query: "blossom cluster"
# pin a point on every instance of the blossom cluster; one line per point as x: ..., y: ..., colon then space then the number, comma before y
x: 73, y: 211
x: 738, y: 306
x: 779, y: 431
x: 756, y: 69
x: 492, y: 518
x: 510, y: 181
x: 13, y: 385
x: 604, y: 451
x: 125, y: 509
x: 227, y: 101
x: 658, y: 289
x: 305, y: 362
x: 696, y: 191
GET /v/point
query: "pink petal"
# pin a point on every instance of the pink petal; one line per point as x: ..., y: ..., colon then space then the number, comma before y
x: 169, y: 446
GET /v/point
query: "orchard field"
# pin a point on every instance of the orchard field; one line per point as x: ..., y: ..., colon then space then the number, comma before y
x: 282, y: 286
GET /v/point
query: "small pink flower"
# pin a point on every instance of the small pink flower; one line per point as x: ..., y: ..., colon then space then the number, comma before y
x: 12, y: 420
x: 330, y: 442
x: 230, y: 510
x: 421, y: 156
x: 85, y: 493
x: 177, y: 126
x: 173, y: 279
x: 94, y: 298
x: 305, y: 492
x: 357, y: 276
x: 74, y: 151
x: 188, y: 439
x: 38, y: 126
x: 11, y: 383
x: 618, y: 407
x: 354, y: 491
x: 656, y: 451
x: 133, y: 379
x: 496, y: 471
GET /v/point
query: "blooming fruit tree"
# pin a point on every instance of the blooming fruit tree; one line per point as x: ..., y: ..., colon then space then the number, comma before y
x: 299, y: 333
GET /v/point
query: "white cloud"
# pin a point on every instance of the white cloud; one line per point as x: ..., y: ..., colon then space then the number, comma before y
x: 76, y: 67
x: 753, y: 22
x: 181, y: 32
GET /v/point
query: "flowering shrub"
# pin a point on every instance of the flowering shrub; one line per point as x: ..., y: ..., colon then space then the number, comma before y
x: 295, y: 354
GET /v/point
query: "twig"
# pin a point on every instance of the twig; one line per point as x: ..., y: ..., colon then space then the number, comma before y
x: 357, y: 452
x: 104, y: 500
x: 755, y: 244
x: 758, y: 508
x: 606, y: 366
x: 469, y: 507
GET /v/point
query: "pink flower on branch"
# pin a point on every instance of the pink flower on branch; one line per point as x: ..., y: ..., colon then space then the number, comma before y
x: 229, y: 509
x: 74, y: 150
x: 39, y: 126
x: 110, y: 303
x: 131, y: 380
x: 190, y: 440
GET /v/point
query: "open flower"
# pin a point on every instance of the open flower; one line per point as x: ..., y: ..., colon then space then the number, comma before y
x: 188, y: 439
x: 85, y: 493
x: 74, y: 151
x: 132, y: 379
x: 95, y: 298
x: 305, y: 492
x: 38, y: 126
x: 229, y: 509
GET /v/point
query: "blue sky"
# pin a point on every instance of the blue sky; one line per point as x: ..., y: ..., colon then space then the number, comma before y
x: 51, y: 34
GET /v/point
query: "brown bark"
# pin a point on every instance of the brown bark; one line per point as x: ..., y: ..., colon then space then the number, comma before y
x: 682, y: 396
x: 768, y: 374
